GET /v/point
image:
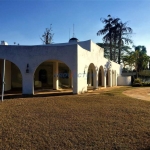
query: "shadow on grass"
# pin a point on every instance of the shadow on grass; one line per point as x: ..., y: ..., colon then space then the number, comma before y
x: 108, y: 94
x: 36, y: 95
x: 113, y: 92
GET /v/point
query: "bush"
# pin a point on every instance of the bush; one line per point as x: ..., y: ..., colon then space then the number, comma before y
x: 146, y: 84
x: 137, y: 82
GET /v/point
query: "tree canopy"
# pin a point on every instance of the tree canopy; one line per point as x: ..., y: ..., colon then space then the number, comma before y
x: 137, y: 59
x: 116, y: 37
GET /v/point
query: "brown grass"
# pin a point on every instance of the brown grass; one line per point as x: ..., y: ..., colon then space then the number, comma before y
x: 105, y: 121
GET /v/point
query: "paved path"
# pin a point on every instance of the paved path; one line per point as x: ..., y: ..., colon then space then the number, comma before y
x: 139, y: 93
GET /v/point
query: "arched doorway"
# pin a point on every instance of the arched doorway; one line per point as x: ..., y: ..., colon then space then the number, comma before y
x: 108, y: 80
x: 91, y: 76
x: 101, y: 76
x: 52, y: 75
x: 13, y: 77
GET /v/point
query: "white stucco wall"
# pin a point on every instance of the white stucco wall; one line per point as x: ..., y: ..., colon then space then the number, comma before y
x: 77, y: 56
x: 96, y: 56
x: 124, y: 80
x: 34, y: 56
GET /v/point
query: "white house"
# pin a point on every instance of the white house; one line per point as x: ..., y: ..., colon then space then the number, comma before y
x: 76, y: 65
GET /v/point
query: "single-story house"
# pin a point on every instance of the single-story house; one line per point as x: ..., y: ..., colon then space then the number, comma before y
x: 75, y: 64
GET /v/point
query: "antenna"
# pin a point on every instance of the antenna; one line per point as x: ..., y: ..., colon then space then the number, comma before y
x: 69, y: 33
x: 73, y: 30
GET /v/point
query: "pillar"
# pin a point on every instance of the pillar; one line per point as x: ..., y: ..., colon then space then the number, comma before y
x: 116, y: 75
x: 110, y: 78
x: 70, y: 79
x: 75, y: 83
x: 95, y: 82
x: 27, y: 84
x: 104, y: 79
x: 55, y: 76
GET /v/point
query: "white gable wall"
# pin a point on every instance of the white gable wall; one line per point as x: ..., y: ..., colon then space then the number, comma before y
x: 96, y: 56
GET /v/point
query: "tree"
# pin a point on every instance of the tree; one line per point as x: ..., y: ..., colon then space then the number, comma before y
x: 123, y: 37
x: 107, y: 32
x: 138, y: 59
x: 143, y: 58
x: 115, y: 27
x: 47, y: 37
x: 116, y: 36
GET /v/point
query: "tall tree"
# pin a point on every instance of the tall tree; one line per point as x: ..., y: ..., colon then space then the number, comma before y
x: 138, y: 59
x: 116, y: 36
x: 47, y: 37
x: 143, y: 58
x: 107, y: 32
x: 123, y: 37
x: 115, y: 28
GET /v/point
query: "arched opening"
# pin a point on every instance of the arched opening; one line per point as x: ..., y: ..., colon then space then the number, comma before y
x: 91, y: 76
x: 101, y: 77
x: 52, y: 75
x: 13, y: 78
x: 107, y: 78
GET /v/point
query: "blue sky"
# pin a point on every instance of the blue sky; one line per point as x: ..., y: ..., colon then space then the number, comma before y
x: 24, y: 21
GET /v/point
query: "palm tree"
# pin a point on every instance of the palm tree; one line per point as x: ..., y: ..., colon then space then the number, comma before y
x: 115, y: 28
x: 107, y: 31
x: 123, y: 37
x: 116, y: 35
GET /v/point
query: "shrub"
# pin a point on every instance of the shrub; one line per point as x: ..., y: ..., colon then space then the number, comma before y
x: 137, y: 82
x: 146, y: 83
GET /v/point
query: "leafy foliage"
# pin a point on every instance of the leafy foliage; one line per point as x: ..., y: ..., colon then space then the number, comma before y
x: 116, y: 36
x: 137, y: 59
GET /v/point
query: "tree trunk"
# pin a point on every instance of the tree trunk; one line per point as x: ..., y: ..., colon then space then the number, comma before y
x: 119, y: 47
x: 115, y: 51
x: 110, y: 48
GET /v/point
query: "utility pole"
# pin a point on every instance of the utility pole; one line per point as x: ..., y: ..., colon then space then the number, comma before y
x: 3, y: 82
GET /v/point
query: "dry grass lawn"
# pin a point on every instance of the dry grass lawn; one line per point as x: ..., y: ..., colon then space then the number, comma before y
x: 105, y: 121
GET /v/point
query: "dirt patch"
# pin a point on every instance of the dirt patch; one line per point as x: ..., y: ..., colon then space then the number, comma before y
x: 139, y: 93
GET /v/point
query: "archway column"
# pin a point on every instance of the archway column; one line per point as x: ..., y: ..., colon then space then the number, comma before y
x: 28, y: 84
x: 70, y: 79
x: 79, y: 82
x: 110, y: 78
x: 113, y: 78
x: 95, y: 82
x: 55, y: 76
x: 116, y: 75
x: 105, y: 76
